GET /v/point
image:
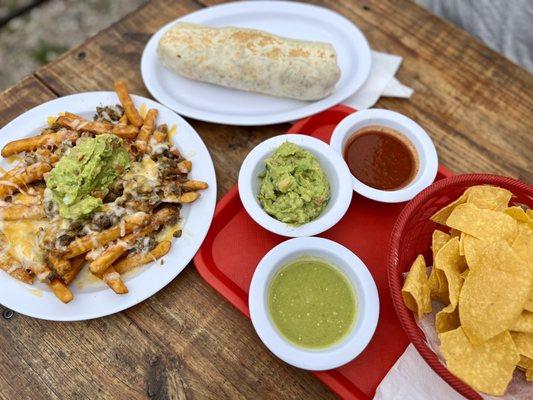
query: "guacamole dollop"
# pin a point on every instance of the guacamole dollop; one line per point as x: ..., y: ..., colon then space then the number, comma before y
x: 293, y: 188
x: 81, y: 178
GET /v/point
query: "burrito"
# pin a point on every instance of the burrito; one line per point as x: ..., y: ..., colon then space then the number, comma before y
x: 251, y: 60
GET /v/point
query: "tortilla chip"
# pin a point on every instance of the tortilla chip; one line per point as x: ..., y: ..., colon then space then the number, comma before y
x: 437, y: 279
x: 526, y: 364
x: 523, y: 244
x: 462, y: 243
x: 489, y: 197
x: 492, y: 296
x: 528, y: 305
x: 482, y: 223
x: 524, y: 343
x: 438, y: 286
x: 487, y: 367
x: 517, y: 213
x: 438, y: 239
x: 442, y: 215
x: 473, y: 249
x: 447, y: 319
x: 455, y: 232
x: 416, y: 290
x: 452, y: 264
x: 524, y: 323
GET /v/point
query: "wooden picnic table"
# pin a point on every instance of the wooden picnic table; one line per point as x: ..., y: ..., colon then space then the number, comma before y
x: 187, y: 341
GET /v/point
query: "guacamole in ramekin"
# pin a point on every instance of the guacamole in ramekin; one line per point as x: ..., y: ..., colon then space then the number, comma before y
x: 293, y: 188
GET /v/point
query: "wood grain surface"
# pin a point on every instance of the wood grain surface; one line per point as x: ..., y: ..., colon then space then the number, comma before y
x: 186, y: 341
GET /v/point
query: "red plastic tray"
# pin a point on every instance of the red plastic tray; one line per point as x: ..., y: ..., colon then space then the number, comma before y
x: 365, y: 229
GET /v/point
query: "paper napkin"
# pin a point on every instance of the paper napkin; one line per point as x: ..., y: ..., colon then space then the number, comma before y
x: 411, y: 378
x: 380, y: 82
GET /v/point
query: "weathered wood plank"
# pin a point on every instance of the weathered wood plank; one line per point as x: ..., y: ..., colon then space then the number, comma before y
x: 26, y: 94
x: 186, y: 341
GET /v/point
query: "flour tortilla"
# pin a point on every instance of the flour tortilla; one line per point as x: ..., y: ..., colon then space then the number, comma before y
x: 250, y: 60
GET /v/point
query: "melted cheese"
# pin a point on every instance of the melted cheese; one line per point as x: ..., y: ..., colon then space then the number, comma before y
x: 167, y: 233
x: 149, y: 169
x: 21, y: 239
x: 142, y: 177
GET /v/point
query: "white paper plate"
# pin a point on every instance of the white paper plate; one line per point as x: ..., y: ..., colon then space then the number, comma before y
x: 214, y: 103
x: 92, y: 298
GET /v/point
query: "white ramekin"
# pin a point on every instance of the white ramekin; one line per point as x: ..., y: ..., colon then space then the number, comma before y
x: 361, y: 280
x: 337, y: 172
x: 427, y: 154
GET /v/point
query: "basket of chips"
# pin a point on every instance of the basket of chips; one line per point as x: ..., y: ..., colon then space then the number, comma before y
x: 464, y: 246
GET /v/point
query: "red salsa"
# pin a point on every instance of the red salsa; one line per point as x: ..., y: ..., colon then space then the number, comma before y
x: 381, y: 158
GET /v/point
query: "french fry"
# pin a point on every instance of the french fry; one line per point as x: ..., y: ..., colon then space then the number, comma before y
x: 195, y: 185
x: 112, y: 278
x: 89, y: 242
x: 82, y: 125
x: 188, y: 197
x: 123, y: 120
x: 22, y: 177
x: 76, y: 264
x: 148, y: 126
x: 185, y: 166
x: 35, y: 142
x: 131, y: 112
x: 108, y: 257
x: 41, y: 271
x: 72, y: 115
x: 14, y: 212
x: 59, y: 264
x: 14, y: 268
x: 113, y: 253
x: 48, y: 155
x: 136, y: 259
x: 61, y: 291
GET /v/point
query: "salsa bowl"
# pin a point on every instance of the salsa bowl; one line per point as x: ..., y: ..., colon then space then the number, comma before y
x: 359, y: 278
x: 424, y: 148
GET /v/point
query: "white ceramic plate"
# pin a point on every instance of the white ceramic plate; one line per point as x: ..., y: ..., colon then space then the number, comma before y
x: 92, y: 298
x: 214, y: 103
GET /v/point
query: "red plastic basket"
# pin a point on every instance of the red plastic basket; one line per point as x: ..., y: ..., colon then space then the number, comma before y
x: 411, y: 236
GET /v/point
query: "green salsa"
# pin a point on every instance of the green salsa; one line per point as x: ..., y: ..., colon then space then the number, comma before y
x: 312, y: 303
